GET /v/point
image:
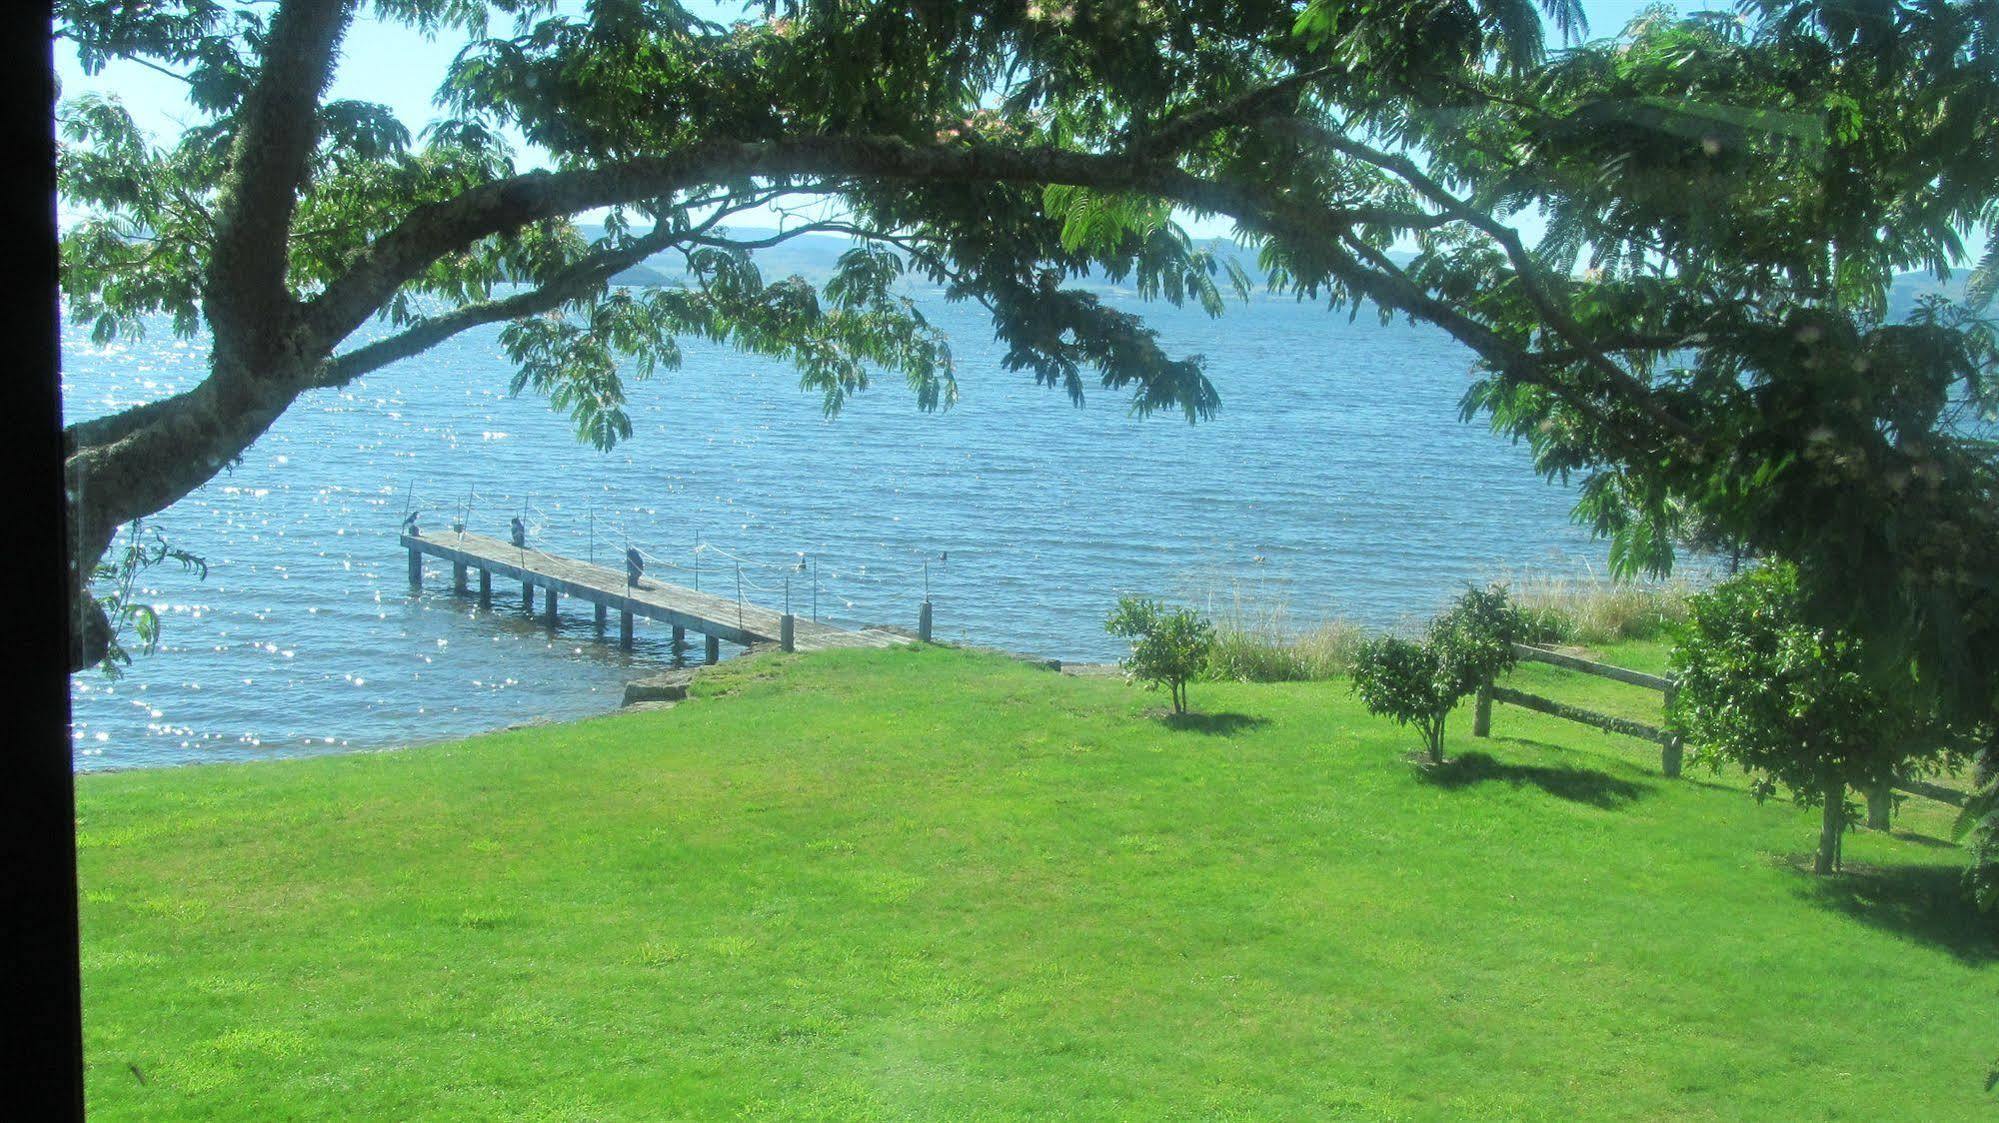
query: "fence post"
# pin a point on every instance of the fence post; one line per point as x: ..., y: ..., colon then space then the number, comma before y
x: 784, y: 632
x: 1673, y: 750
x: 1481, y: 718
x: 923, y: 622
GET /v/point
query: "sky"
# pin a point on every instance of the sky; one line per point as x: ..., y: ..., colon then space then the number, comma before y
x: 398, y: 67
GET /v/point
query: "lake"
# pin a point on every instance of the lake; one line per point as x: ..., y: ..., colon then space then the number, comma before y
x: 1336, y: 481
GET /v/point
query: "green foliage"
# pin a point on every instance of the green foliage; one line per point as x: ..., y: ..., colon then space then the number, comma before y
x: 1980, y: 820
x: 1169, y: 646
x: 116, y: 577
x: 1464, y: 649
x: 1795, y: 705
x: 1404, y: 680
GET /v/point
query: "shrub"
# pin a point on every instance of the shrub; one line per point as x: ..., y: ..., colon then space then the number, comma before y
x: 1795, y: 705
x: 1419, y: 684
x: 1981, y: 821
x: 1168, y: 646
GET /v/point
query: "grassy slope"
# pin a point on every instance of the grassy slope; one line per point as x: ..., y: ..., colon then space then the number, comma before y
x: 938, y: 885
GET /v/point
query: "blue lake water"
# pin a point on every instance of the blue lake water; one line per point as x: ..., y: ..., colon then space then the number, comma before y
x: 1337, y: 481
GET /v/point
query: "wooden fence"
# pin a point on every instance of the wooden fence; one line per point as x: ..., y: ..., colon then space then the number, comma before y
x: 1671, y: 751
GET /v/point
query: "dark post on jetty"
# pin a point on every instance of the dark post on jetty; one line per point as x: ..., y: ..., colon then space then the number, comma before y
x: 627, y: 592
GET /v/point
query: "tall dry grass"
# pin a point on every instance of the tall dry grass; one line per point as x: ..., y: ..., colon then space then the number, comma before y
x: 1587, y: 611
x: 1255, y: 640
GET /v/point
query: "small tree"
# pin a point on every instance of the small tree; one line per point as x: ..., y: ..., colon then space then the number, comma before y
x: 1168, y: 646
x: 1794, y: 705
x: 1420, y: 683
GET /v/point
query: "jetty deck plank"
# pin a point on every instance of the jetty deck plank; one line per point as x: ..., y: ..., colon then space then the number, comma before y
x: 724, y: 618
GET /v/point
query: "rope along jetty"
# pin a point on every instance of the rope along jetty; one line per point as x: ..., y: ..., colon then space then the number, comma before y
x: 609, y: 590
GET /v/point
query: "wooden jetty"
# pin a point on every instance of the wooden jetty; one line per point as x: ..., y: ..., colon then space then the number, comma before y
x: 716, y: 618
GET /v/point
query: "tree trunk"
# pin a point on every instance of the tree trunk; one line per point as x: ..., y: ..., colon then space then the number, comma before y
x: 1880, y: 806
x: 1437, y: 742
x: 1832, y: 827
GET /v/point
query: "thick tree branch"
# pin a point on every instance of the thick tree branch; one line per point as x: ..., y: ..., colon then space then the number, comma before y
x: 439, y: 228
x: 276, y: 129
x: 1174, y: 133
x: 575, y: 281
x: 1533, y: 284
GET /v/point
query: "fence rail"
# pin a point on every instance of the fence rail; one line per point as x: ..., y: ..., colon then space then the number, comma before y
x: 1671, y: 750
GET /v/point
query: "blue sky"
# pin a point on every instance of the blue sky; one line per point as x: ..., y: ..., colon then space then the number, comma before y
x: 398, y: 67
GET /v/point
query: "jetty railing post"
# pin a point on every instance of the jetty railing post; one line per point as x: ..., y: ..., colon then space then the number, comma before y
x: 1673, y: 751
x: 1481, y: 717
x: 784, y: 632
x: 815, y: 590
x: 485, y: 588
x: 739, y: 595
x: 923, y: 621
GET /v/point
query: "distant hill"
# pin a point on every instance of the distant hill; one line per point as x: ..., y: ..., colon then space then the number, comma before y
x: 814, y: 256
x: 1911, y: 287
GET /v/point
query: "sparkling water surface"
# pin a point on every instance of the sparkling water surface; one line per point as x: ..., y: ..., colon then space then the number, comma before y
x: 1336, y: 481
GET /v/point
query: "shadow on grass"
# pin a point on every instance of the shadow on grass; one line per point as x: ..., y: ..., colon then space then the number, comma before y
x: 1901, y: 835
x: 1925, y: 903
x: 1220, y: 725
x: 1583, y: 785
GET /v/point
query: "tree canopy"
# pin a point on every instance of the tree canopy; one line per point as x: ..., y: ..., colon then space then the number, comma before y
x: 1700, y: 334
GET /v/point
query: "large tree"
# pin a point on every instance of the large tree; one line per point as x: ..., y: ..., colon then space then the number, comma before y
x: 1002, y: 148
x: 1700, y: 334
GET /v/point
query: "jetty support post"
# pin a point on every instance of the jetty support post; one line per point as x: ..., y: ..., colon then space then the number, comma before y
x: 1672, y: 751
x: 416, y: 568
x: 679, y: 640
x: 603, y: 614
x: 714, y: 652
x: 527, y: 596
x: 1481, y: 717
x: 458, y: 577
x: 923, y: 621
x: 784, y: 632
x: 548, y: 614
x: 485, y: 588
x: 625, y: 629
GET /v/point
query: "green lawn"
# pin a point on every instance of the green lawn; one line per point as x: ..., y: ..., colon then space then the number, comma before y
x: 936, y: 885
